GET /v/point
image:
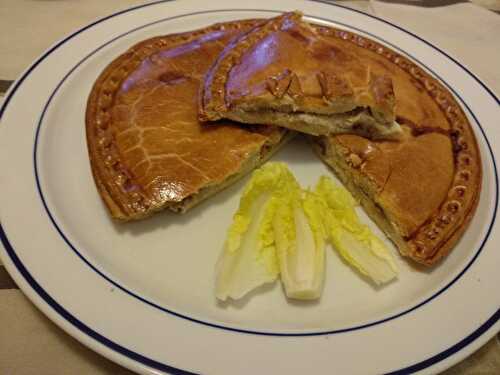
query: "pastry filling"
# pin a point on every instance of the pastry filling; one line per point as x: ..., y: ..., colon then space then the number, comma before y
x: 359, y: 121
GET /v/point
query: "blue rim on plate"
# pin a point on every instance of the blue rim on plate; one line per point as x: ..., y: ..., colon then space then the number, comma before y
x: 149, y: 362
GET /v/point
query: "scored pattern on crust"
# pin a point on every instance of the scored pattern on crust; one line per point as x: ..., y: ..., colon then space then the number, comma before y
x: 376, y: 92
x: 424, y: 243
x: 464, y: 191
x: 101, y: 99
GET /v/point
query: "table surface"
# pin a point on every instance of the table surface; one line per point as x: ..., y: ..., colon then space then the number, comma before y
x: 29, y: 342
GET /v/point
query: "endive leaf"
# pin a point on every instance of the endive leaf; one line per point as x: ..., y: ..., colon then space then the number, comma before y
x: 354, y: 241
x: 249, y: 258
x: 300, y: 242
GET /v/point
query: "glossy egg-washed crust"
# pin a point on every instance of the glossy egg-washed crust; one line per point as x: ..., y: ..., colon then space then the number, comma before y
x: 426, y: 186
x: 292, y: 73
x: 147, y: 149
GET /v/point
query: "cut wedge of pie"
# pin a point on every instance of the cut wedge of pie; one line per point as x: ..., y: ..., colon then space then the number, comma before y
x: 147, y: 149
x: 422, y: 190
x: 286, y: 73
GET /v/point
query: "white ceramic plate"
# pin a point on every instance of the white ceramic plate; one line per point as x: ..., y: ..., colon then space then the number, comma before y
x: 142, y: 294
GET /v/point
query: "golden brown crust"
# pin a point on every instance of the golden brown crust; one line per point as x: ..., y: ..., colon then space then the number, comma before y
x: 147, y: 150
x: 285, y: 65
x: 427, y: 186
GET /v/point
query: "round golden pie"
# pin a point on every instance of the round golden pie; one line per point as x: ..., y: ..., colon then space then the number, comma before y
x: 414, y: 164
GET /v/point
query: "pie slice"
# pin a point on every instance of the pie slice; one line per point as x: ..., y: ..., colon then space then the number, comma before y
x: 423, y: 190
x: 147, y: 149
x: 283, y: 72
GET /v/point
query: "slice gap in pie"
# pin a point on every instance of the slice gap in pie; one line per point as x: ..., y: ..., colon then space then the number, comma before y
x: 147, y: 148
x: 283, y: 72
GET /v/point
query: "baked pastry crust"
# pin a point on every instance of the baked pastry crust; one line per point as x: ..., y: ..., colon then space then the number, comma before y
x: 283, y: 72
x: 147, y: 149
x: 423, y: 190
